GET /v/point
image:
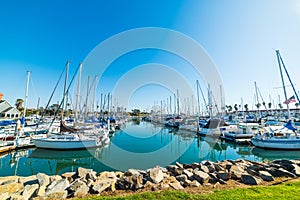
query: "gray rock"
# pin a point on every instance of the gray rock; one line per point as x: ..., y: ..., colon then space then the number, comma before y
x: 223, y: 175
x: 188, y: 173
x: 195, y: 183
x: 55, y: 178
x: 211, y: 168
x: 204, y: 168
x: 218, y: 167
x: 296, y: 169
x: 100, y: 185
x: 82, y: 173
x: 107, y: 175
x: 201, y: 176
x: 182, y: 178
x: 266, y: 176
x: 249, y: 179
x: 221, y: 181
x: 236, y: 172
x: 156, y: 175
x: 28, y: 180
x: 78, y: 189
x: 131, y: 172
x: 252, y: 172
x: 69, y: 176
x: 175, y: 170
x: 179, y: 165
x: 176, y: 185
x: 60, y: 186
x: 43, y: 179
x: 213, y: 178
x: 30, y: 191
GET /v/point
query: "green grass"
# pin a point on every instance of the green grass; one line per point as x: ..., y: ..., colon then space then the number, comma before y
x: 283, y: 191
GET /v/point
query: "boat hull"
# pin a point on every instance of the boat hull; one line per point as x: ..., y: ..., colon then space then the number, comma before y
x: 45, y: 143
x: 289, y: 144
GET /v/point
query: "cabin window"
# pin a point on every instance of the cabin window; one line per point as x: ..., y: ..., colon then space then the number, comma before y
x: 8, y: 115
x: 17, y: 115
x: 12, y: 115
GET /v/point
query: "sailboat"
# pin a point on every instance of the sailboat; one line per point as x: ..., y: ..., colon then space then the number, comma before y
x: 281, y: 138
x: 70, y: 138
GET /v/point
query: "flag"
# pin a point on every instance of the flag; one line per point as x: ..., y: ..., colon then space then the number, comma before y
x: 290, y: 100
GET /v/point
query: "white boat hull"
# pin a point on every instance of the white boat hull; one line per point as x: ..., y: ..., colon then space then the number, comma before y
x: 274, y: 143
x: 47, y: 143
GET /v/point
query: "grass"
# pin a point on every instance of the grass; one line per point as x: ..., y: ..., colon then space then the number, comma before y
x: 284, y: 191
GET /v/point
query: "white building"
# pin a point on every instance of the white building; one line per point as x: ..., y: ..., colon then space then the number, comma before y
x: 7, y: 111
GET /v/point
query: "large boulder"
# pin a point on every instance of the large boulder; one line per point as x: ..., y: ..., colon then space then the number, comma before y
x: 60, y: 186
x: 223, y: 175
x: 249, y: 179
x: 78, y: 189
x: 266, y: 176
x: 236, y: 172
x: 188, y: 173
x: 43, y: 179
x: 30, y: 191
x: 29, y: 180
x: 201, y: 176
x: 156, y: 175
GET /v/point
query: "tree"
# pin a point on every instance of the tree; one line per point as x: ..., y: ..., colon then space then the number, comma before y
x: 280, y: 105
x: 270, y: 105
x: 229, y: 108
x: 19, y: 103
x: 297, y: 104
x: 246, y: 107
x: 258, y: 106
x: 264, y: 104
x: 236, y: 107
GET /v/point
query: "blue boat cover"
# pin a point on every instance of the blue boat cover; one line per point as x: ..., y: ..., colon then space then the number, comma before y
x: 289, y: 125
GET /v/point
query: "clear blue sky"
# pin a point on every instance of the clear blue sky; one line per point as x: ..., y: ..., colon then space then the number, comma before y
x: 240, y: 37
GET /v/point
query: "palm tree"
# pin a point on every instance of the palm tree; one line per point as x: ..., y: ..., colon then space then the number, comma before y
x: 264, y: 104
x: 236, y: 107
x: 246, y: 107
x: 280, y: 105
x: 229, y: 108
x: 258, y: 106
x: 19, y: 103
x: 270, y: 105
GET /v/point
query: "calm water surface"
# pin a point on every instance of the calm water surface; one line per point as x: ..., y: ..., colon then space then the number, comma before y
x: 138, y: 145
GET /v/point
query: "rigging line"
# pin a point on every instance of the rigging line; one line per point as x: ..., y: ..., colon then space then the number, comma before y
x: 43, y: 114
x: 202, y: 95
x: 63, y: 97
x: 288, y: 76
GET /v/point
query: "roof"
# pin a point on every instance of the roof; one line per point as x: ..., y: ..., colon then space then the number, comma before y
x: 10, y: 109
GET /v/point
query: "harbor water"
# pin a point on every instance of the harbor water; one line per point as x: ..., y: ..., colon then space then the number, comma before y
x: 139, y: 145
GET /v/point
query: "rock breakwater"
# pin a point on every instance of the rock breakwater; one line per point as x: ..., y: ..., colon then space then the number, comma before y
x: 85, y: 182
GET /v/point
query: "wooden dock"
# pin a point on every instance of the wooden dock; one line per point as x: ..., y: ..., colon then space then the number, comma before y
x: 6, y: 149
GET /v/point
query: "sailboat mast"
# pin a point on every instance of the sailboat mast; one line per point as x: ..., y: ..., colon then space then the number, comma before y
x: 282, y: 80
x: 178, y: 102
x: 26, y: 92
x: 94, y: 96
x: 65, y: 88
x: 87, y: 96
x: 78, y: 93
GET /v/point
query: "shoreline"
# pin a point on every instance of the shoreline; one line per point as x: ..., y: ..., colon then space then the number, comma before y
x: 196, y: 177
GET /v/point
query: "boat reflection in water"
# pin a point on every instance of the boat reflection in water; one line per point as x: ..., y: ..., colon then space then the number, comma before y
x: 58, y: 162
x: 273, y: 154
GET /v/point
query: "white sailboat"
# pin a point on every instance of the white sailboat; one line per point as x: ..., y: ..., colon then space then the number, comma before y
x: 70, y: 138
x: 281, y: 138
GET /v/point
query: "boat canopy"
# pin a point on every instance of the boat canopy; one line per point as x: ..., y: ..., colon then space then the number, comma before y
x: 215, y: 123
x: 290, y: 126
